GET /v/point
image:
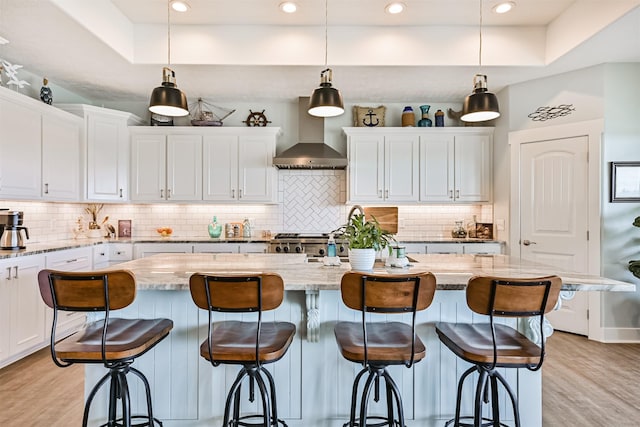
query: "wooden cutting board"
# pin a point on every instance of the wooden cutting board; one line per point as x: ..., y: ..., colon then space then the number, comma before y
x: 387, y: 217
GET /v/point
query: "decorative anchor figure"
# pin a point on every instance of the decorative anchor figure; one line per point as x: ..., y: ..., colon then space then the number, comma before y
x: 370, y: 114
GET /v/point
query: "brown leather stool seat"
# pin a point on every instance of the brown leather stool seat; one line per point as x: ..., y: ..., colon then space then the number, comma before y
x: 250, y: 344
x: 377, y: 345
x: 489, y: 346
x: 113, y: 342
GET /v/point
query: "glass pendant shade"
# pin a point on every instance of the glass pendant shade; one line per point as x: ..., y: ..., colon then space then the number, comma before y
x: 168, y: 100
x: 481, y: 105
x: 326, y: 101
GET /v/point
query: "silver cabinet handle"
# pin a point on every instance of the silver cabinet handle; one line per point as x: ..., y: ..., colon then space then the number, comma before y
x: 528, y: 242
x: 380, y: 194
x: 8, y: 273
x: 69, y: 261
x: 46, y: 188
x: 121, y: 193
x: 233, y: 193
x: 239, y: 193
x: 451, y: 194
x: 386, y: 194
x: 457, y: 194
x: 15, y: 269
x: 161, y: 193
x: 168, y: 193
x: 119, y: 253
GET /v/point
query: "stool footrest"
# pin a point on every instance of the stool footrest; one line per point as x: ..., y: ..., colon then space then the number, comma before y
x: 119, y: 422
x: 382, y: 423
x: 240, y: 421
x: 486, y: 422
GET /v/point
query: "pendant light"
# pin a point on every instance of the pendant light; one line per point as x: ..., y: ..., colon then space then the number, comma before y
x: 326, y: 101
x: 168, y: 100
x: 480, y: 105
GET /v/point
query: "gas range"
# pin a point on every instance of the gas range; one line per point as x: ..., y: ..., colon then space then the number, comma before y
x: 314, y: 245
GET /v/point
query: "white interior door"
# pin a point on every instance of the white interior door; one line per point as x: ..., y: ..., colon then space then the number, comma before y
x: 554, y: 221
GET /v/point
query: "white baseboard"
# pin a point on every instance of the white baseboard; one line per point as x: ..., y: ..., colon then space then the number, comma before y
x: 618, y: 335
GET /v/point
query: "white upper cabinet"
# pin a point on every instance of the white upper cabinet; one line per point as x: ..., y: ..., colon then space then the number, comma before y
x: 455, y: 166
x: 106, y: 135
x: 165, y: 167
x: 238, y: 165
x: 61, y: 178
x: 20, y: 147
x: 383, y: 167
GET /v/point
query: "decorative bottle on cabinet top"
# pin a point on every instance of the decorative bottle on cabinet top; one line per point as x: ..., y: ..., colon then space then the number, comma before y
x: 215, y: 229
x: 246, y: 228
x: 408, y: 118
x: 425, y: 121
x: 439, y: 119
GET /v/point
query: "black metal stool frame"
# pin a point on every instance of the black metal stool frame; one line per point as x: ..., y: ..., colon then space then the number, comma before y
x: 488, y: 372
x: 119, y: 388
x: 377, y: 370
x: 253, y: 370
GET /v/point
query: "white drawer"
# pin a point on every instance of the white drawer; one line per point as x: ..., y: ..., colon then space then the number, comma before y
x: 77, y: 259
x: 120, y: 252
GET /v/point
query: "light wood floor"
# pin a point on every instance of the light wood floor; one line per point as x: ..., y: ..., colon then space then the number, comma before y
x: 584, y: 383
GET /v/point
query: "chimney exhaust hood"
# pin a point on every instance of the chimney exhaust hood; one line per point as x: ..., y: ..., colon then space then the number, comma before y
x: 310, y: 152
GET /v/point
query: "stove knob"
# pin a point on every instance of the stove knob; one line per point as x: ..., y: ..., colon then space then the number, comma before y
x: 286, y: 249
x: 321, y: 251
x: 298, y: 249
x: 278, y: 249
x: 341, y: 249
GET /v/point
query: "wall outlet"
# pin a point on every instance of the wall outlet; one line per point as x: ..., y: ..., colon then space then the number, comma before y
x: 500, y: 224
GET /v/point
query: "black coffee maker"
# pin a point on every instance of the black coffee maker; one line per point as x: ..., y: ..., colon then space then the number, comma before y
x: 11, y: 230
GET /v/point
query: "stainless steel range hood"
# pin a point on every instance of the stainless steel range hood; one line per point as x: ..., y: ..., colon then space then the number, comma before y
x: 310, y: 152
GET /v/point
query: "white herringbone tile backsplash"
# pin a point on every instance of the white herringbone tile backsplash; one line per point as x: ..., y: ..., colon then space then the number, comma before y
x: 313, y: 200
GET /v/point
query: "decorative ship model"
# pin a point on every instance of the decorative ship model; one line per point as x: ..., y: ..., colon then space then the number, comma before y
x: 202, y: 114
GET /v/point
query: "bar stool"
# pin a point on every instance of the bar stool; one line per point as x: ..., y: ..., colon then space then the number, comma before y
x: 378, y: 345
x: 113, y: 342
x: 250, y: 344
x: 489, y: 346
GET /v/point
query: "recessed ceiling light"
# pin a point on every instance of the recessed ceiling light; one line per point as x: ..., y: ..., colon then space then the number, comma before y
x: 288, y: 7
x: 395, y: 8
x: 504, y: 7
x: 180, y: 6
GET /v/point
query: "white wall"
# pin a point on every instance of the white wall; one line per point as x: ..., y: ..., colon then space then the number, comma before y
x: 620, y: 239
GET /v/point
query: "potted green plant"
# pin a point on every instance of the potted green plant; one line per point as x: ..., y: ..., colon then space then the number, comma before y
x: 365, y: 238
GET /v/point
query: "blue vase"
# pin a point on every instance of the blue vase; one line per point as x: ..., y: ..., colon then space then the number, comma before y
x: 425, y: 121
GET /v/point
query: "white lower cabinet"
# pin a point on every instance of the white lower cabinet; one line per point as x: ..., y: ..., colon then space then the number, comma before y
x: 77, y: 259
x: 109, y: 254
x: 141, y: 250
x: 22, y: 311
x: 465, y: 248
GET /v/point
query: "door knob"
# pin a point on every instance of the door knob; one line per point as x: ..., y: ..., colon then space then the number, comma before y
x: 528, y: 242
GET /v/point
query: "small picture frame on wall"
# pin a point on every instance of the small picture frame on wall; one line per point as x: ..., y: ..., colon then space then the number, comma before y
x: 484, y: 230
x: 124, y: 228
x: 625, y: 182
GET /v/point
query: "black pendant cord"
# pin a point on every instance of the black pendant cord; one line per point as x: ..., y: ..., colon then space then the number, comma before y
x: 480, y: 38
x: 168, y: 33
x: 326, y: 32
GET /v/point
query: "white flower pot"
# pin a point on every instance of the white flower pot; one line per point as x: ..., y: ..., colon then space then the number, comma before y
x: 362, y: 259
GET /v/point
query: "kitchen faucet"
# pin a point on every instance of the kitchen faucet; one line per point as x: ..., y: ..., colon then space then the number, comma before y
x: 353, y: 209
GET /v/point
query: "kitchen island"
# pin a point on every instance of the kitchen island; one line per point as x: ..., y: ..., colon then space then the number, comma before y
x: 313, y: 380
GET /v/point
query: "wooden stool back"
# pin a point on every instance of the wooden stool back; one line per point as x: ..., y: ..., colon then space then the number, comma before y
x: 509, y: 297
x: 385, y: 293
x: 86, y: 291
x: 237, y: 293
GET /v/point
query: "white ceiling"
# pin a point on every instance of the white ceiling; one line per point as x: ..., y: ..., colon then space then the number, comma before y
x: 113, y: 50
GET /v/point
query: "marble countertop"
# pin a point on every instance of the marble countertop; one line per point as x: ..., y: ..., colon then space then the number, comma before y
x: 452, y: 271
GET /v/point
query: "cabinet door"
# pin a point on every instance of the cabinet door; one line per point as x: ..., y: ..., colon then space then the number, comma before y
x: 366, y: 168
x: 5, y: 309
x: 473, y: 168
x: 107, y: 158
x: 27, y: 310
x: 60, y: 158
x: 482, y: 248
x: 255, y: 169
x: 220, y: 158
x: 401, y: 175
x: 78, y: 259
x: 437, y: 168
x: 20, y: 151
x: 148, y: 167
x: 184, y: 167
x: 216, y: 248
x: 142, y: 250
